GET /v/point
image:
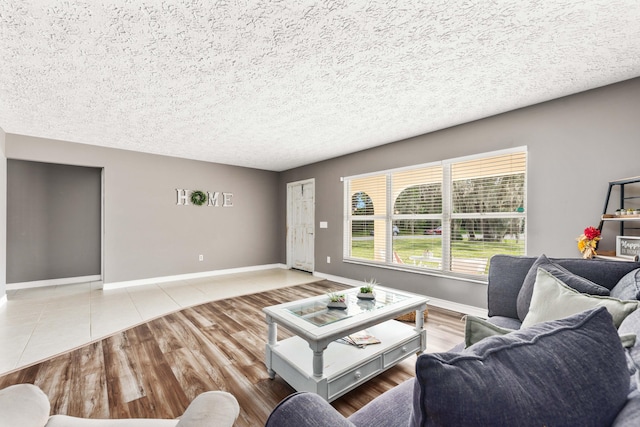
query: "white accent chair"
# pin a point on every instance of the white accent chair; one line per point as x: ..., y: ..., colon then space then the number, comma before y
x: 25, y: 405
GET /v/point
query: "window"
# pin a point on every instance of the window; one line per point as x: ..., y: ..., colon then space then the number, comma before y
x: 447, y: 217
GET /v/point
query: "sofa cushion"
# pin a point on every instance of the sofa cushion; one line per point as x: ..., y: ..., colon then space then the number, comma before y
x: 630, y: 413
x: 631, y: 325
x: 628, y: 287
x: 392, y: 406
x: 505, y: 322
x: 531, y: 377
x: 570, y: 279
x: 23, y: 405
x: 553, y: 299
x: 476, y: 329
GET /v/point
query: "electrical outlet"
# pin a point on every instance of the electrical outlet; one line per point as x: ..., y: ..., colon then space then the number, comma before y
x: 328, y: 260
x: 200, y: 257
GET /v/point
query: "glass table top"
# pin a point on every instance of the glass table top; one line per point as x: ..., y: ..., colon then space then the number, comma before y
x: 317, y: 313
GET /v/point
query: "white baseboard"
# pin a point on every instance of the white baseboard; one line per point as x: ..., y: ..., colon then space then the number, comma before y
x: 339, y: 279
x: 435, y: 302
x: 53, y: 282
x: 458, y: 308
x: 188, y: 276
x: 3, y: 300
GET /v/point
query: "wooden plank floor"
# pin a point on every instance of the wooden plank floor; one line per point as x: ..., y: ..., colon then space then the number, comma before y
x: 155, y: 369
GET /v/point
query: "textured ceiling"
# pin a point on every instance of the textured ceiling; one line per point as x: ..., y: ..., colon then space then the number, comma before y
x: 279, y: 84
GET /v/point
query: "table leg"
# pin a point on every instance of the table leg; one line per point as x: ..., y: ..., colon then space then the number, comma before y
x: 318, y: 363
x: 272, y: 339
x: 420, y: 318
x: 273, y: 331
x: 420, y: 323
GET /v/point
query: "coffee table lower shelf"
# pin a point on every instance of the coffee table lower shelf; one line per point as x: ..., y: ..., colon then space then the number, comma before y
x: 345, y: 366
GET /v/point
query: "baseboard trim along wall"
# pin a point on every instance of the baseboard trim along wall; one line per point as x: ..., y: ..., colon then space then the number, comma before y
x: 435, y: 302
x: 53, y: 282
x: 3, y: 300
x: 188, y: 276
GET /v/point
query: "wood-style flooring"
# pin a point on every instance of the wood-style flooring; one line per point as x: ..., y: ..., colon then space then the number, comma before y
x: 155, y: 369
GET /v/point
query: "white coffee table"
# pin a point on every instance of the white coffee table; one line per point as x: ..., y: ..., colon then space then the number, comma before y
x: 313, y: 360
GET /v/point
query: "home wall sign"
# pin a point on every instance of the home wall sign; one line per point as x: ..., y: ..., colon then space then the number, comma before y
x: 201, y: 198
x: 628, y: 246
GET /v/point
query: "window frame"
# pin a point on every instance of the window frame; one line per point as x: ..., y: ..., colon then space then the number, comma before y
x: 446, y: 217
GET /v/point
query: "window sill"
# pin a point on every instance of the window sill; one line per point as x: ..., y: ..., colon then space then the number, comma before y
x: 480, y: 279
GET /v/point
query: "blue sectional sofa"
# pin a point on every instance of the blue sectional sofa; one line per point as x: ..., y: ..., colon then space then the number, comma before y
x: 558, y: 349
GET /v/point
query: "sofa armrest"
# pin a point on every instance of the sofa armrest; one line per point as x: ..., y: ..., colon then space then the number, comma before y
x: 306, y: 409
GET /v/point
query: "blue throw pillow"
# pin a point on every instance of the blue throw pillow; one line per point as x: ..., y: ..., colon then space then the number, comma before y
x: 572, y: 280
x: 567, y: 372
x: 628, y: 287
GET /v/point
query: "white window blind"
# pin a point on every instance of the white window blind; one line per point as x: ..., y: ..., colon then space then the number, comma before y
x: 449, y: 217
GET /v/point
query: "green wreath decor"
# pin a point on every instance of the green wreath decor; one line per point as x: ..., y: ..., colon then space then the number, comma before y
x: 198, y: 198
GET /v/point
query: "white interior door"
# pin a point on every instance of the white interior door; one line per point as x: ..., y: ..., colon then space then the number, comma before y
x: 300, y: 224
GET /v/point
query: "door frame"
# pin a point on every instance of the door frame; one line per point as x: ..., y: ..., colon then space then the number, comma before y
x: 290, y: 186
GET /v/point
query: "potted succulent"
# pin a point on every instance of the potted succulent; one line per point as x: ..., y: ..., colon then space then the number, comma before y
x: 366, y: 290
x: 337, y: 300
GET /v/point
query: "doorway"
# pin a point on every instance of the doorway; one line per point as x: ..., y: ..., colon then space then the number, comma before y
x: 54, y: 223
x: 300, y: 225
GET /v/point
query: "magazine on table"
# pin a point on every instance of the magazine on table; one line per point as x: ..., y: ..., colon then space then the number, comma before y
x: 360, y: 339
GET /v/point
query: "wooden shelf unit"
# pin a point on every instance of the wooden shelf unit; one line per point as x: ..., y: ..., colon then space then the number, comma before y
x: 622, y: 219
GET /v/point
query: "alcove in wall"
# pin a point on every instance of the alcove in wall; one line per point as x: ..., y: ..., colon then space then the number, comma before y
x: 53, y: 223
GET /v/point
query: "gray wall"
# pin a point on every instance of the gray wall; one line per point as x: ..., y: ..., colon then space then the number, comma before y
x: 576, y: 145
x: 146, y: 234
x: 3, y: 213
x: 53, y: 221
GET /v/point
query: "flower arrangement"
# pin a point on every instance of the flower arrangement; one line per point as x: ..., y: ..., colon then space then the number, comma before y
x: 588, y: 241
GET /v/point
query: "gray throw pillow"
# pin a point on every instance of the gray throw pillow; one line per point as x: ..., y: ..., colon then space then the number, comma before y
x: 476, y: 329
x: 552, y: 299
x: 567, y: 372
x: 578, y: 283
x: 628, y: 287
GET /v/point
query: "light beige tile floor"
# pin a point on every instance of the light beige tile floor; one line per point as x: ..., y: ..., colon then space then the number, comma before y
x: 38, y: 323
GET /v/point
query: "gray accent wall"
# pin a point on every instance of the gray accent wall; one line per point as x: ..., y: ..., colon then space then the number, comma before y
x: 576, y: 144
x: 53, y: 221
x: 146, y: 234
